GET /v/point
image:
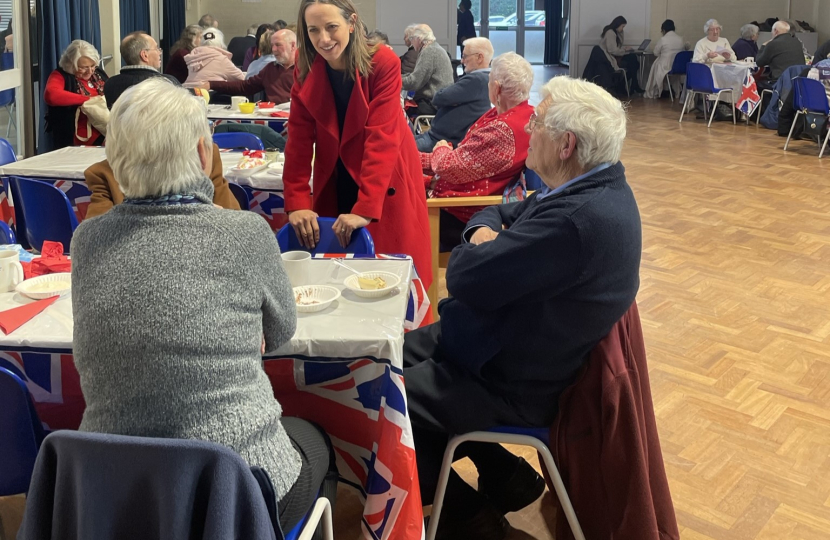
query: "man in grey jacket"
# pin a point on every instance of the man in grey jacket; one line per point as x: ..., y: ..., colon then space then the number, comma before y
x: 782, y: 51
x: 433, y: 70
x: 462, y: 103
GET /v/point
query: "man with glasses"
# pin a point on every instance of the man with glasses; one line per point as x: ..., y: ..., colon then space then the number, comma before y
x: 462, y: 103
x: 142, y: 57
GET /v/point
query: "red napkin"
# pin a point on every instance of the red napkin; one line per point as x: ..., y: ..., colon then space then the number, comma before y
x: 51, y: 261
x: 279, y: 114
x: 254, y: 154
x: 12, y: 319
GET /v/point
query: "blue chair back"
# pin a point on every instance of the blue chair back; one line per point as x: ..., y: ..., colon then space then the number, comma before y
x: 22, y: 434
x: 532, y: 180
x: 699, y: 78
x: 681, y: 59
x: 46, y: 210
x: 236, y: 140
x: 7, y: 235
x: 6, y: 152
x: 7, y: 96
x: 240, y: 195
x: 361, y: 244
x: 810, y: 96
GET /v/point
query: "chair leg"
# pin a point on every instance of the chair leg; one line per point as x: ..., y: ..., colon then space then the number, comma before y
x: 792, y: 127
x: 320, y: 512
x: 671, y: 94
x: 734, y: 112
x: 823, y: 146
x: 561, y: 492
x: 440, y: 491
x: 685, y: 104
x: 714, y: 110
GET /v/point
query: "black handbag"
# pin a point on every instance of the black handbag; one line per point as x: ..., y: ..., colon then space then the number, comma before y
x: 815, y: 124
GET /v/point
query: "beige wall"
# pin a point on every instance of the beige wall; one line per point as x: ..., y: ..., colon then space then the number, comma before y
x: 823, y: 22
x: 108, y: 11
x: 235, y: 16
x: 689, y: 17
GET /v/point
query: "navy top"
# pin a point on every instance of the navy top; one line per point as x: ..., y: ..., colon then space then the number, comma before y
x: 527, y: 307
x: 745, y: 48
x: 466, y: 26
x: 341, y: 87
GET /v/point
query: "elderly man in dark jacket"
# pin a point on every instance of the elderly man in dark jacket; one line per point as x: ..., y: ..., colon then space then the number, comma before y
x: 143, y: 58
x: 782, y: 51
x: 536, y: 286
x: 461, y: 104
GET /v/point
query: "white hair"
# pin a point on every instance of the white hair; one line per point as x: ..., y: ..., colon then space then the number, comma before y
x: 594, y: 116
x: 213, y: 37
x: 514, y: 74
x: 253, y: 28
x: 153, y: 136
x: 749, y: 30
x: 480, y: 45
x: 423, y: 32
x: 782, y: 26
x: 407, y: 32
x: 75, y: 51
x: 709, y: 24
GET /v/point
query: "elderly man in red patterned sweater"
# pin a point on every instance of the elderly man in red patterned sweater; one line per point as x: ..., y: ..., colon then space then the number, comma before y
x: 491, y: 155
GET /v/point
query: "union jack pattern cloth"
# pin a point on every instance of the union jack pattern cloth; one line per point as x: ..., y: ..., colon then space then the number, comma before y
x: 749, y: 99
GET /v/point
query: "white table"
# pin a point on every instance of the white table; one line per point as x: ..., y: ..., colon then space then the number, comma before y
x: 731, y: 75
x: 224, y: 112
x: 341, y: 369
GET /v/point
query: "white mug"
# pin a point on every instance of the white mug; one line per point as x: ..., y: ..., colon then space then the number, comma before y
x: 236, y: 100
x: 296, y: 267
x: 11, y: 272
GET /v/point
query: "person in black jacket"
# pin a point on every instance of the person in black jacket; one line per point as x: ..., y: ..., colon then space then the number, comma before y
x: 782, y: 51
x: 142, y: 57
x: 240, y: 45
x: 536, y: 285
x: 466, y: 25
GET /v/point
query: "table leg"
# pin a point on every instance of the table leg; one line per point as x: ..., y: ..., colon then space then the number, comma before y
x: 434, y: 236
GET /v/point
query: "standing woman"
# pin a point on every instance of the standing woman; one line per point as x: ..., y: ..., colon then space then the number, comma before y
x: 466, y: 25
x: 77, y: 79
x: 612, y: 44
x: 367, y: 173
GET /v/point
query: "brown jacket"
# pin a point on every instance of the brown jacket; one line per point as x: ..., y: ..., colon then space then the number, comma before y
x: 106, y: 192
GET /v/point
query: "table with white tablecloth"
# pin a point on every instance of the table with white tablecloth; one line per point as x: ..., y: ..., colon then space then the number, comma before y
x: 342, y: 369
x: 226, y: 113
x: 65, y: 168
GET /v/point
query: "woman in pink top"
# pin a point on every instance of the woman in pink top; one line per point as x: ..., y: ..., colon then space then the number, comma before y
x: 211, y: 61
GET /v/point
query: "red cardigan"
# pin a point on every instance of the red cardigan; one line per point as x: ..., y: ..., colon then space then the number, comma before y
x: 606, y: 444
x: 55, y: 94
x: 488, y: 159
x: 377, y: 149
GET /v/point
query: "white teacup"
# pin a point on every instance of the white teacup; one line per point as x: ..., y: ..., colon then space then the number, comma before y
x: 236, y: 100
x: 11, y: 271
x: 296, y: 267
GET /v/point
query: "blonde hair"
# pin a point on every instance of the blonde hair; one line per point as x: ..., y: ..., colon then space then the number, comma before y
x: 358, y: 52
x: 265, y: 43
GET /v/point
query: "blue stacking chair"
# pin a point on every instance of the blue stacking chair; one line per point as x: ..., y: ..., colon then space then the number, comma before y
x: 7, y: 96
x: 699, y: 81
x: 7, y: 235
x: 809, y: 97
x: 7, y: 154
x: 237, y: 140
x: 532, y: 180
x: 678, y: 67
x: 240, y: 195
x: 22, y: 434
x: 538, y: 438
x: 361, y: 244
x: 46, y: 210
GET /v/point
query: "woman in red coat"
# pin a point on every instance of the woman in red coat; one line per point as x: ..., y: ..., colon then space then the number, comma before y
x: 346, y: 99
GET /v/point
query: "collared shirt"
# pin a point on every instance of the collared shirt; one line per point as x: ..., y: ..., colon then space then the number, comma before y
x: 139, y: 66
x: 545, y: 191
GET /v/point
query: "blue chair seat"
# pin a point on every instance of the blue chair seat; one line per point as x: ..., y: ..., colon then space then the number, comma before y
x: 361, y: 244
x: 240, y: 195
x: 47, y: 212
x: 237, y: 140
x: 699, y: 81
x: 678, y: 67
x: 809, y: 97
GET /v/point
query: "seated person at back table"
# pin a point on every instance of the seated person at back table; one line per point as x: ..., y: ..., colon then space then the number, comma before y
x: 713, y: 48
x: 536, y: 286
x: 433, y: 71
x: 175, y: 301
x: 462, y: 103
x: 493, y: 153
x: 782, y: 51
x: 276, y: 78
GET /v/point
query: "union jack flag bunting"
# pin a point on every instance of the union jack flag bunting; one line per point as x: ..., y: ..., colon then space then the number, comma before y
x: 750, y: 99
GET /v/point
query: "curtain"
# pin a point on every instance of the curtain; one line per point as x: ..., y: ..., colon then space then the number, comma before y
x: 135, y: 15
x: 173, y: 22
x: 553, y: 31
x: 62, y: 22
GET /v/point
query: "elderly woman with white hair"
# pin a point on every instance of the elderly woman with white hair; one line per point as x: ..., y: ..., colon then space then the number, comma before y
x: 492, y: 154
x: 433, y: 70
x: 713, y: 48
x: 211, y: 61
x: 533, y: 288
x: 77, y: 80
x: 747, y: 45
x: 175, y: 300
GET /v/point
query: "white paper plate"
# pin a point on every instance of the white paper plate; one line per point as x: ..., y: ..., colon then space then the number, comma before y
x: 30, y: 286
x: 324, y: 295
x: 392, y: 282
x: 236, y: 171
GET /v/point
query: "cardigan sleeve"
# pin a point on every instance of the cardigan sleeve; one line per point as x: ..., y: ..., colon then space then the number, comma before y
x: 382, y: 135
x: 279, y: 312
x: 56, y: 96
x: 245, y: 87
x: 299, y: 150
x: 422, y: 72
x: 486, y: 152
x: 610, y: 41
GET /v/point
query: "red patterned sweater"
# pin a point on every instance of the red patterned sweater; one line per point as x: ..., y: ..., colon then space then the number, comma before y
x: 489, y: 158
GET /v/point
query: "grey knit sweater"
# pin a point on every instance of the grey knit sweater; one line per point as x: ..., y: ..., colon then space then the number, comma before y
x: 433, y: 71
x: 170, y: 305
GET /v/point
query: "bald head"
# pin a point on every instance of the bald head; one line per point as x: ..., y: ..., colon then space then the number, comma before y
x: 284, y: 47
x: 140, y: 49
x: 780, y: 27
x: 478, y: 52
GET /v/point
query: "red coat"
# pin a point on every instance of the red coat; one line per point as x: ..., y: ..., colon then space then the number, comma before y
x: 377, y: 148
x: 606, y: 444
